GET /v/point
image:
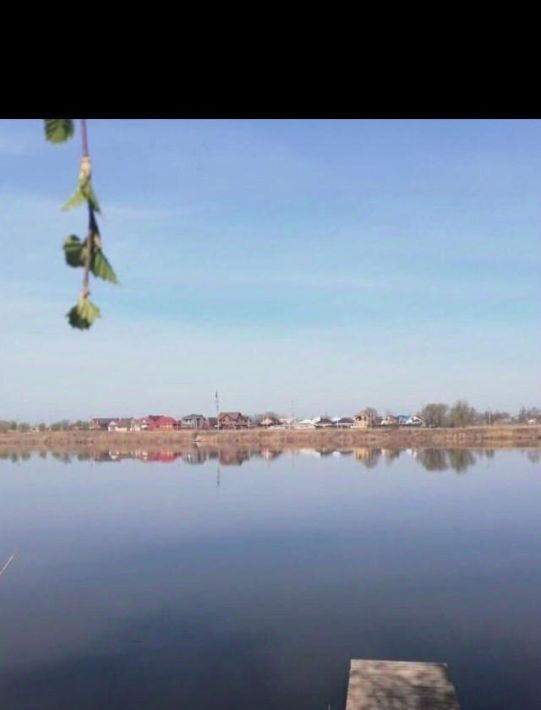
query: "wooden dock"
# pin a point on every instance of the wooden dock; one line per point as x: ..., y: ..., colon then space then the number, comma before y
x: 399, y: 685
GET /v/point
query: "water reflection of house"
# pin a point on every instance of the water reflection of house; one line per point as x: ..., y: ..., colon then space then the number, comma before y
x: 105, y: 456
x: 269, y: 454
x: 197, y: 456
x: 140, y: 454
x: 390, y: 454
x: 162, y: 456
x: 326, y: 451
x: 232, y: 457
x: 367, y: 455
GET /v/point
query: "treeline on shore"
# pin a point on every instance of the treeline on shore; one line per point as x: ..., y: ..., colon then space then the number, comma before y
x: 462, y: 414
x: 434, y: 414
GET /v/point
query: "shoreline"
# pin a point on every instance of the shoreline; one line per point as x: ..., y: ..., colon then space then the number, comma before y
x: 508, y: 436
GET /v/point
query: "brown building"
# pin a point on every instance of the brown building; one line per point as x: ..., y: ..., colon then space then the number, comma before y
x: 100, y: 423
x: 362, y: 421
x: 195, y: 421
x: 232, y: 420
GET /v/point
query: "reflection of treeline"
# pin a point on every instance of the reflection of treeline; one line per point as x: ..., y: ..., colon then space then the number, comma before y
x: 431, y: 459
x: 15, y: 455
x: 458, y: 460
x: 442, y: 459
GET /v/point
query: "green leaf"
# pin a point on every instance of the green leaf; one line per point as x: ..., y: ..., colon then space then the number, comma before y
x: 102, y: 268
x: 74, y: 251
x: 75, y: 320
x: 88, y: 310
x: 58, y: 130
x: 75, y: 200
x: 84, y: 192
x: 83, y: 314
x: 90, y: 195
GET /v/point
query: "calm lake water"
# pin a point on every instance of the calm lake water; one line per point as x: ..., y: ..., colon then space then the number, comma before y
x: 163, y: 584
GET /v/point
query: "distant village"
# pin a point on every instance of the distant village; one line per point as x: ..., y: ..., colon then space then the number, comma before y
x: 438, y: 415
x: 237, y: 420
x: 432, y: 415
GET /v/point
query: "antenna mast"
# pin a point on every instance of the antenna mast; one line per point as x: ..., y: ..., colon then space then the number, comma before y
x: 217, y: 410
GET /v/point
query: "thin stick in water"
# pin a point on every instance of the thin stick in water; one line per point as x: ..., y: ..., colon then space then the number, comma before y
x: 4, y: 568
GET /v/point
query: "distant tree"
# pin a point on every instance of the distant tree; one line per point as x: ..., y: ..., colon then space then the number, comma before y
x: 461, y: 414
x: 435, y: 414
x: 500, y: 416
x: 62, y: 425
x: 81, y: 425
x: 371, y: 413
x: 526, y: 414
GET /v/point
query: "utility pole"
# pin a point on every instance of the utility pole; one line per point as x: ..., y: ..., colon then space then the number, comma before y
x: 217, y: 410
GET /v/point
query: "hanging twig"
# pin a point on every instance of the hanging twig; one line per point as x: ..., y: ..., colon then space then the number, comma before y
x: 86, y: 253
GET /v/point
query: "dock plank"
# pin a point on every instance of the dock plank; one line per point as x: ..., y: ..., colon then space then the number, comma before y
x: 399, y: 685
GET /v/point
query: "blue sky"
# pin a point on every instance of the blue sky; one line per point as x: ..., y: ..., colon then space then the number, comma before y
x: 324, y: 265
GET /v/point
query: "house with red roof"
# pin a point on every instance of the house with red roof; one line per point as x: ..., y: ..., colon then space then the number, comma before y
x: 157, y: 421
